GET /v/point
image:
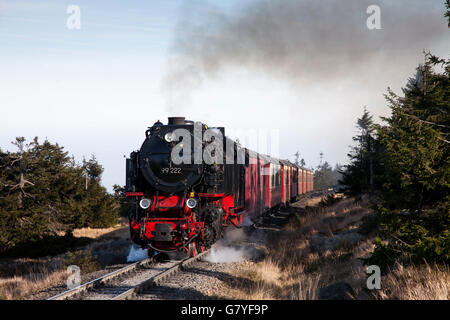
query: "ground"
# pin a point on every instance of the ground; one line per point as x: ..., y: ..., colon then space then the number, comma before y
x: 309, y: 250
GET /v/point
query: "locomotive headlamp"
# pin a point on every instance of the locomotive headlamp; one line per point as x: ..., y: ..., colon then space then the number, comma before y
x: 145, y: 203
x: 169, y: 137
x: 191, y: 203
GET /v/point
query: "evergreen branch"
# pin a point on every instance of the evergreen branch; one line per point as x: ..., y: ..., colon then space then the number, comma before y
x: 15, y: 160
x: 424, y: 121
x: 400, y: 240
x: 446, y: 141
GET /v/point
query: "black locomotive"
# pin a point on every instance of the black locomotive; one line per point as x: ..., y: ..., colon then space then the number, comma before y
x: 184, y: 205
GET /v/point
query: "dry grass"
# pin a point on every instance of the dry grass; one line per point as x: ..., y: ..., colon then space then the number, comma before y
x: 416, y: 283
x: 22, y: 277
x: 265, y: 280
x: 19, y: 287
x: 95, y: 233
x: 120, y: 230
x: 292, y: 269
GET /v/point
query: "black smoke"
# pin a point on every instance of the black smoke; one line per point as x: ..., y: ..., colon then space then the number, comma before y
x: 299, y: 41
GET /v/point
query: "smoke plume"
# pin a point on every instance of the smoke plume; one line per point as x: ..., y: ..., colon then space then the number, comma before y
x: 299, y: 40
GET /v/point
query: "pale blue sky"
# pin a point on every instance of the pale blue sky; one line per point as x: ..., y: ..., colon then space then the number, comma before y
x: 95, y: 90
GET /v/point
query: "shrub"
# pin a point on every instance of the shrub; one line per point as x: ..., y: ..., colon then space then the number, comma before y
x: 83, y: 259
x: 411, y: 236
x: 330, y: 199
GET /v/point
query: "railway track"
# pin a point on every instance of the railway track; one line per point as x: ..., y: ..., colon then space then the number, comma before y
x: 129, y: 281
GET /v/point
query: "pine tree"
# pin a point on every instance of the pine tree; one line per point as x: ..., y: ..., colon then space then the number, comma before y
x: 42, y: 193
x: 415, y: 213
x: 415, y: 139
x: 359, y: 175
x: 297, y: 155
x: 121, y: 200
x: 447, y: 13
x: 325, y: 177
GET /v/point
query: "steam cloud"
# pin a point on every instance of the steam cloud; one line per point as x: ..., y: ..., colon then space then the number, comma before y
x: 299, y: 40
x: 235, y: 246
x: 136, y: 254
x: 222, y: 254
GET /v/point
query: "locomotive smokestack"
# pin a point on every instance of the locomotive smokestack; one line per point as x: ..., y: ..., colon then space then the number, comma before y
x: 176, y: 120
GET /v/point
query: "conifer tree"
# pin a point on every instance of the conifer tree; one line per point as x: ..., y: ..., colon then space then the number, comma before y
x: 415, y: 139
x: 42, y: 193
x: 447, y: 13
x: 415, y: 213
x: 358, y: 176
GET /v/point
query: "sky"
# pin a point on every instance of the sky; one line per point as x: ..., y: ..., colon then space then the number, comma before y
x: 301, y: 69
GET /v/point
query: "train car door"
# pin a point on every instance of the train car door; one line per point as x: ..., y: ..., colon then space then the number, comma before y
x: 267, y: 174
x: 289, y: 183
x: 294, y: 183
x: 303, y: 181
x: 283, y: 195
x: 307, y: 181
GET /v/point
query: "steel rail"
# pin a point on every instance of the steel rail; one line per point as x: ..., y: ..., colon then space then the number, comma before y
x: 156, y: 279
x: 93, y: 283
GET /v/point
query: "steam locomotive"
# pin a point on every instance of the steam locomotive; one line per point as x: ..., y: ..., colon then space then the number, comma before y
x: 189, y: 182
